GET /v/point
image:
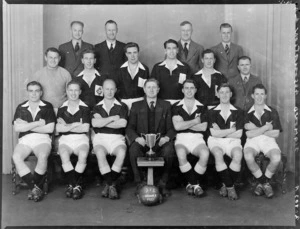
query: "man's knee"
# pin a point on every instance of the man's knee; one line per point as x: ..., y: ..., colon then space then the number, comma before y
x: 249, y: 155
x: 135, y: 150
x: 275, y: 156
x: 168, y: 150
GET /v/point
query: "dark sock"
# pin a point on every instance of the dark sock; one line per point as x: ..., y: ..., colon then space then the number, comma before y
x: 225, y: 177
x: 28, y: 179
x: 200, y: 178
x: 77, y: 178
x: 262, y: 179
x: 70, y: 177
x: 190, y: 177
x: 38, y: 179
x: 234, y: 175
x: 107, y: 178
x: 114, y: 175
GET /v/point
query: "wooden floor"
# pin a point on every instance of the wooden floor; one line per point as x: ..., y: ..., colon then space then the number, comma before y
x: 177, y: 210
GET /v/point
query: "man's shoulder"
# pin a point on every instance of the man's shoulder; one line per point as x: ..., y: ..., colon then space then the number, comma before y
x: 87, y: 44
x: 255, y: 78
x: 234, y: 79
x: 163, y: 103
x: 120, y: 43
x: 100, y: 45
x: 138, y: 103
x: 64, y: 71
x: 47, y: 105
x: 197, y: 45
x: 234, y: 45
x: 217, y: 46
x: 64, y: 45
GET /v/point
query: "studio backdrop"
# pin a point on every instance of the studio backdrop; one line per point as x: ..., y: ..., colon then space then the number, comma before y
x: 266, y: 33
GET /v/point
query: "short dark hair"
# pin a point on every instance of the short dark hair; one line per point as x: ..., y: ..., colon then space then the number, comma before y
x: 259, y: 86
x: 111, y: 22
x: 77, y: 22
x: 186, y: 23
x: 170, y: 41
x: 52, y: 49
x: 111, y: 80
x: 131, y: 45
x: 34, y: 83
x: 88, y: 51
x: 244, y: 58
x: 151, y: 80
x: 74, y: 81
x: 189, y: 81
x: 206, y: 51
x: 225, y: 25
x: 223, y: 85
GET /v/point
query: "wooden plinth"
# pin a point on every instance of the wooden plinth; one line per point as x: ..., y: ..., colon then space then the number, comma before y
x: 155, y: 162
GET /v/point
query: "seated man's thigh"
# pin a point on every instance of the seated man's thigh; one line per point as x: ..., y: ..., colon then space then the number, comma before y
x: 201, y: 150
x: 82, y: 150
x: 167, y: 150
x: 43, y: 149
x: 21, y: 151
x: 100, y: 149
x: 234, y: 145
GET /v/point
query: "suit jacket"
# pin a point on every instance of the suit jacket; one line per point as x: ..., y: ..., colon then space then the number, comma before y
x: 108, y: 64
x: 194, y: 56
x: 138, y: 120
x: 69, y: 60
x: 241, y: 97
x: 227, y: 65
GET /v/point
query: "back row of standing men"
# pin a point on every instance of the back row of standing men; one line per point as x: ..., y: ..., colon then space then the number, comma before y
x: 184, y: 60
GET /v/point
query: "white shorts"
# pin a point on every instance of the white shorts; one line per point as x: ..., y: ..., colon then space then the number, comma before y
x: 262, y: 143
x: 109, y: 141
x: 34, y: 139
x: 73, y: 140
x: 129, y: 102
x: 226, y: 144
x: 189, y: 140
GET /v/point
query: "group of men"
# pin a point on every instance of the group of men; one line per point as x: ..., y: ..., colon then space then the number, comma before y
x: 199, y: 101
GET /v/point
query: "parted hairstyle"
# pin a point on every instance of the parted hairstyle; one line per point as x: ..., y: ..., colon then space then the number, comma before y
x: 223, y: 85
x: 34, y: 83
x: 52, y: 49
x: 244, y: 58
x: 151, y: 80
x: 206, y: 51
x: 77, y: 22
x: 259, y: 86
x: 225, y: 25
x: 131, y: 45
x: 74, y: 81
x: 170, y: 41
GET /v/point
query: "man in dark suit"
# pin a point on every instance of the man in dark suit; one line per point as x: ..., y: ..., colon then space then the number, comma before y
x: 71, y: 51
x: 227, y: 53
x: 243, y: 83
x: 110, y: 53
x: 189, y: 51
x: 151, y: 115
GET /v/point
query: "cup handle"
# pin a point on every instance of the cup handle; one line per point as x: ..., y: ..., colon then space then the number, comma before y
x: 157, y: 136
x: 143, y: 135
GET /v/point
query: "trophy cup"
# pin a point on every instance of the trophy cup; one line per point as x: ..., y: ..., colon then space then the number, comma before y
x: 150, y: 141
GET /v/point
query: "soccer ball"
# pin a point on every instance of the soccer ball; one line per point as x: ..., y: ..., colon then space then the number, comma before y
x: 149, y: 195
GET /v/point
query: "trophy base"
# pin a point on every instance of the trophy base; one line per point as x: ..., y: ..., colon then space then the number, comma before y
x: 150, y: 156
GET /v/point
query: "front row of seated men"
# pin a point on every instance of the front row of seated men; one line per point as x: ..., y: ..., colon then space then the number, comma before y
x: 35, y: 120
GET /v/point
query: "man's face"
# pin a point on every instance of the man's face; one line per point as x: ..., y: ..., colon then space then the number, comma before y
x: 259, y: 96
x: 77, y: 31
x: 109, y: 89
x: 132, y: 55
x: 52, y: 59
x: 208, y: 60
x: 189, y: 90
x: 244, y: 66
x: 171, y: 51
x: 88, y: 60
x: 224, y: 94
x: 111, y: 31
x: 186, y: 32
x: 226, y: 34
x: 151, y: 90
x: 73, y: 92
x: 34, y: 93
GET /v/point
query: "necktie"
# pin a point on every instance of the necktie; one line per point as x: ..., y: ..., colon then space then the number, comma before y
x: 111, y: 47
x: 227, y: 49
x: 245, y: 79
x: 77, y: 47
x: 152, y: 105
x: 185, y: 50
